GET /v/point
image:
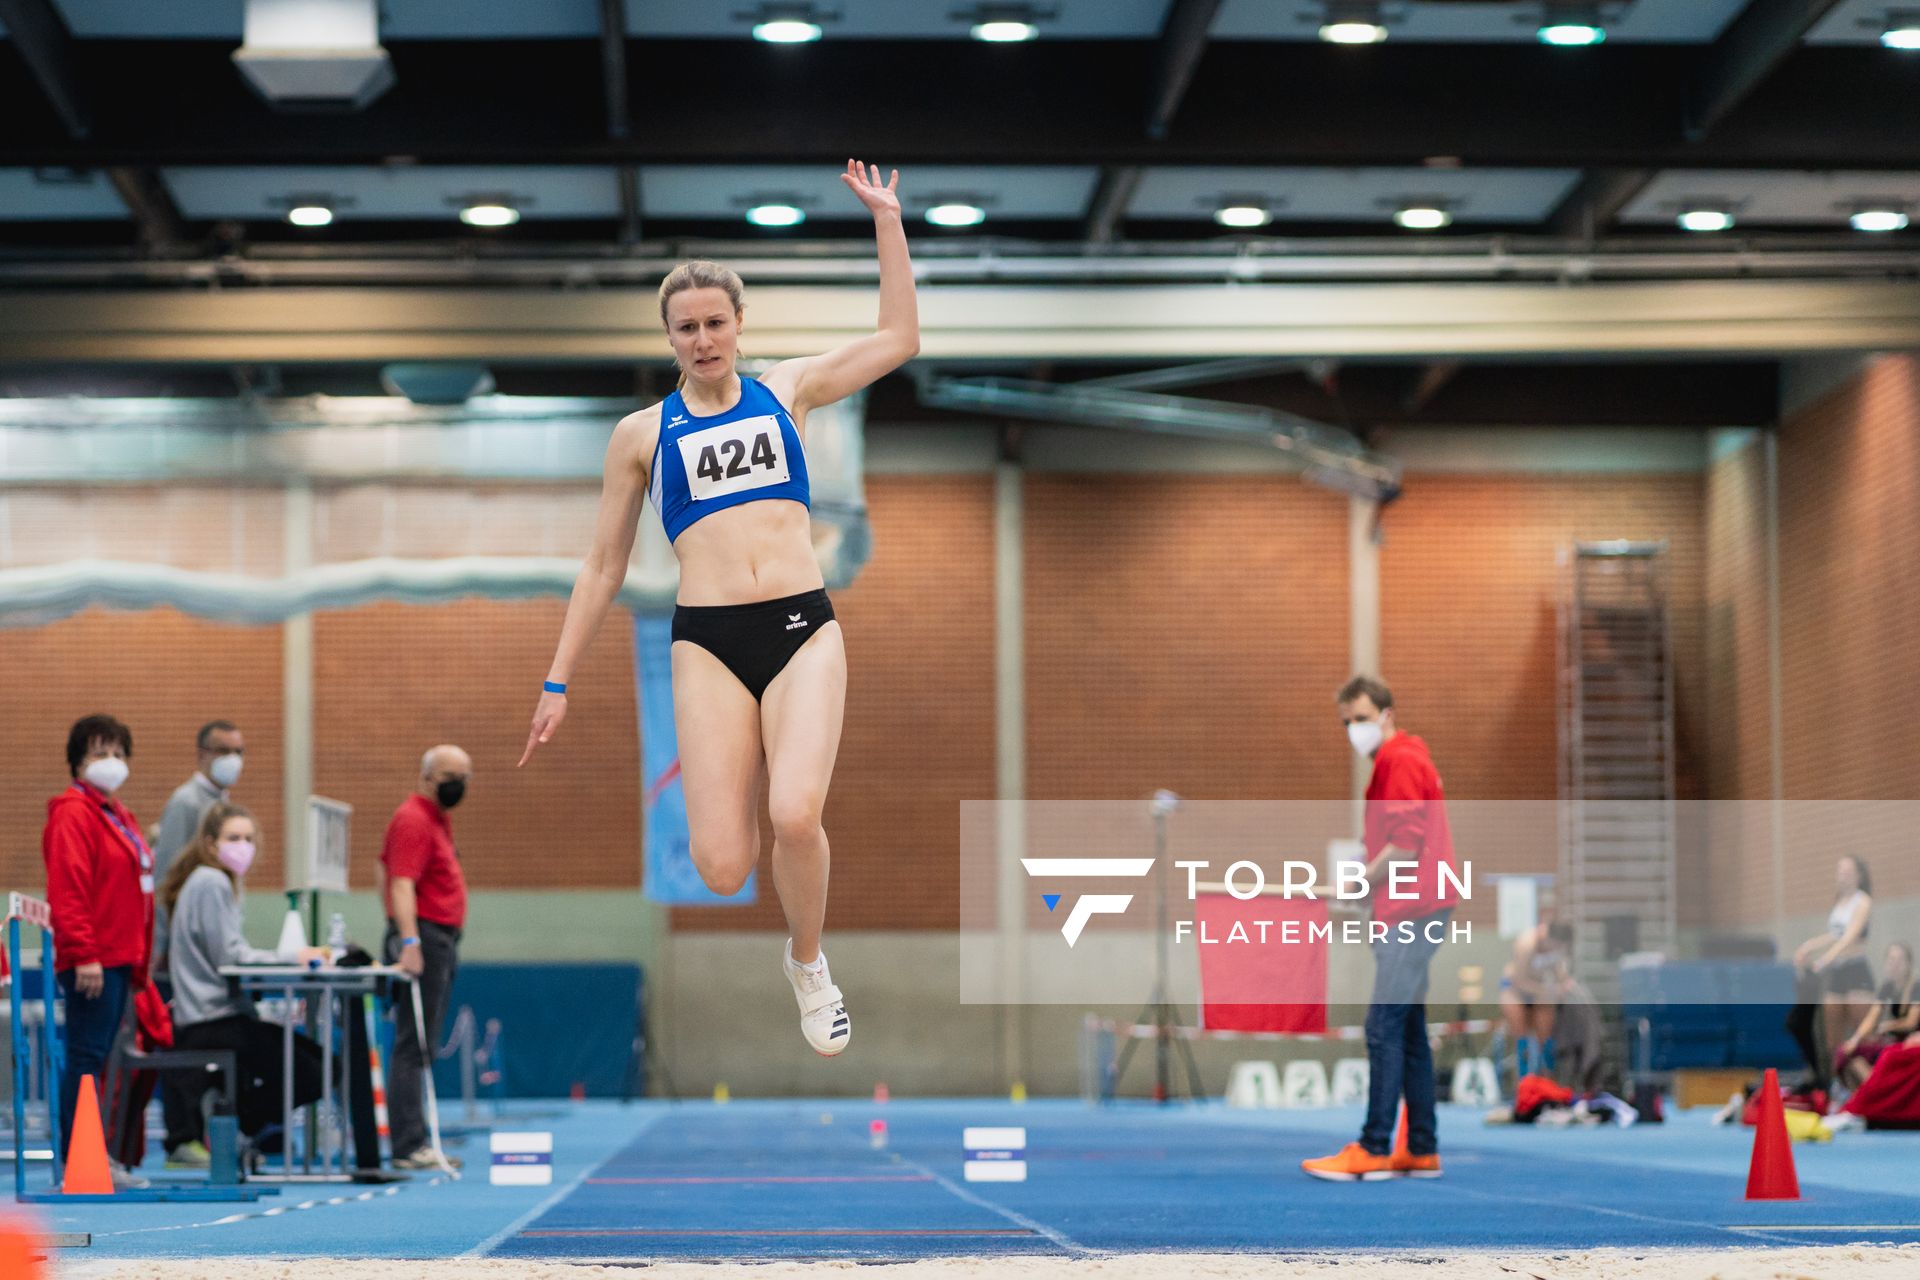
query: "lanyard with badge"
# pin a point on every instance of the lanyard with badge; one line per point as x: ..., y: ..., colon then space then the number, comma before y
x: 141, y: 851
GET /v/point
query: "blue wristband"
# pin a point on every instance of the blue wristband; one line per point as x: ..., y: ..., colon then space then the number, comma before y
x: 553, y: 686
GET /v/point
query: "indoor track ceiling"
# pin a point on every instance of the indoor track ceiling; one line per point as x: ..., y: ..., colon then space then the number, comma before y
x: 1472, y: 21
x: 1125, y: 125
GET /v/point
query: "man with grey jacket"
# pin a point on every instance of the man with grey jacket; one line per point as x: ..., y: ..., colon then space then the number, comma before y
x: 221, y: 750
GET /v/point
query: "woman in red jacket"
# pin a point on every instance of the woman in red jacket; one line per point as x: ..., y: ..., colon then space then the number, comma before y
x: 100, y: 886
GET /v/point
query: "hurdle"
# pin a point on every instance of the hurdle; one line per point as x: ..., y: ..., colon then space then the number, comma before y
x: 47, y: 1053
x: 29, y: 1052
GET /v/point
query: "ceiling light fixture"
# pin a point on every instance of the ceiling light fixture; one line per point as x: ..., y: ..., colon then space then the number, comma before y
x: 1004, y: 31
x: 310, y: 215
x: 1568, y: 24
x: 1353, y: 33
x: 1902, y: 30
x: 1706, y: 219
x: 1879, y: 219
x: 786, y: 31
x: 1428, y: 216
x: 489, y: 213
x: 1353, y: 22
x: 956, y: 214
x: 1572, y: 35
x: 1242, y: 215
x: 776, y: 215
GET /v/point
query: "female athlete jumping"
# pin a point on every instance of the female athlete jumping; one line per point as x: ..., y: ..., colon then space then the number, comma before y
x: 759, y: 666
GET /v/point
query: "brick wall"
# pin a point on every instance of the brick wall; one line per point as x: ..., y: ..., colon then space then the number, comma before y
x: 1184, y: 631
x: 391, y: 680
x: 1470, y: 577
x: 162, y: 673
x: 1850, y: 604
x: 1849, y: 493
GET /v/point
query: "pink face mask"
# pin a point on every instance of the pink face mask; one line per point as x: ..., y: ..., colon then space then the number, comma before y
x: 235, y: 855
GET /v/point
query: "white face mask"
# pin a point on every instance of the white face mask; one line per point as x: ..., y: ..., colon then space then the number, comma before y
x: 109, y: 774
x: 225, y: 770
x: 1365, y: 736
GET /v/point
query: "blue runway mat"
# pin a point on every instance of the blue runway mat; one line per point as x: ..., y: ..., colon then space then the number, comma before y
x: 769, y: 1180
x: 772, y: 1180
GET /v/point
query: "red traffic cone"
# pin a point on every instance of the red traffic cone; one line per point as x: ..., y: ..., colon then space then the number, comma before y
x: 1771, y: 1175
x: 20, y: 1255
x: 87, y: 1171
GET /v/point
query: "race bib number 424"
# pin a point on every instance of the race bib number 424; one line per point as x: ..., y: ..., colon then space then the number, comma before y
x: 747, y: 454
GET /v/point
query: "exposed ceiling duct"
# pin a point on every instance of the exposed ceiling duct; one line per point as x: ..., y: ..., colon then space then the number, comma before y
x: 334, y: 501
x: 1329, y: 456
x: 434, y: 382
x: 577, y: 264
x: 314, y: 55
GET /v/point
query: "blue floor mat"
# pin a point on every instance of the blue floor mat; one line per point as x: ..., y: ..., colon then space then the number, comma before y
x: 796, y: 1180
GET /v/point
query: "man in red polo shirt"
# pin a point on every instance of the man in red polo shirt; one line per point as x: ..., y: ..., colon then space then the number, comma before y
x: 426, y: 899
x: 1408, y: 842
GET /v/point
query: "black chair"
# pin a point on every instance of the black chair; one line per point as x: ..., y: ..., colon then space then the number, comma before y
x: 224, y: 1062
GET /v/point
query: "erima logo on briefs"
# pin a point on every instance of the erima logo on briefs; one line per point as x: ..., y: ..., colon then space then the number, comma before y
x: 795, y: 622
x: 1092, y: 904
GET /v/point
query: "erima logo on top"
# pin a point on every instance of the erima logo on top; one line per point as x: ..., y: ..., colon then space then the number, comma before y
x: 677, y: 420
x: 1092, y: 904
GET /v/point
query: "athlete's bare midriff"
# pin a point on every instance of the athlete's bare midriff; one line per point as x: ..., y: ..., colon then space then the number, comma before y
x: 747, y: 553
x: 755, y: 551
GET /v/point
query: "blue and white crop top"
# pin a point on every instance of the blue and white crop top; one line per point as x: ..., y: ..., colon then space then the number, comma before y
x: 704, y: 465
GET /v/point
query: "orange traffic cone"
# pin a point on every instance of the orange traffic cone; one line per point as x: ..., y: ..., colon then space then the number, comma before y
x: 1400, y: 1149
x: 87, y: 1171
x: 19, y: 1252
x: 1771, y: 1175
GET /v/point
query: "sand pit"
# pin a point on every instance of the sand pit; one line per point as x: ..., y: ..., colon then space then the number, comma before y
x: 1850, y: 1262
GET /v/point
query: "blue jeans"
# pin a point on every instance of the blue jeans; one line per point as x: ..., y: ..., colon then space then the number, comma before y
x: 1399, y: 1059
x: 91, y: 1027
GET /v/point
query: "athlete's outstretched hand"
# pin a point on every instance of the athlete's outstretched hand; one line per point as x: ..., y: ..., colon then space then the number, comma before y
x: 547, y: 715
x: 865, y: 182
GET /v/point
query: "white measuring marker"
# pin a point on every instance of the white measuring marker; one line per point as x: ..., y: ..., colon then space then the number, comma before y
x: 521, y: 1159
x: 995, y: 1155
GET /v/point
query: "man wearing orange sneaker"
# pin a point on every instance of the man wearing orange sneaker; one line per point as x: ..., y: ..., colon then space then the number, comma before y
x: 1406, y: 828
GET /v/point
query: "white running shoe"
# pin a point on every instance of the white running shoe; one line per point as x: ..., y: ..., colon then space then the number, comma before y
x: 823, y: 1013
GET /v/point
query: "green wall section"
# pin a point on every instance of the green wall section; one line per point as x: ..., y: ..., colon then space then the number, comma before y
x: 534, y: 926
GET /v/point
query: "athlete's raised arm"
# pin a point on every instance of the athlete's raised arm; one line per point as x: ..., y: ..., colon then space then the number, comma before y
x: 823, y: 379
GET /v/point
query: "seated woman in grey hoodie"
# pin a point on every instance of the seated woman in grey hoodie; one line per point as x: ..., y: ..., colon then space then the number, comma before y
x: 202, y: 898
